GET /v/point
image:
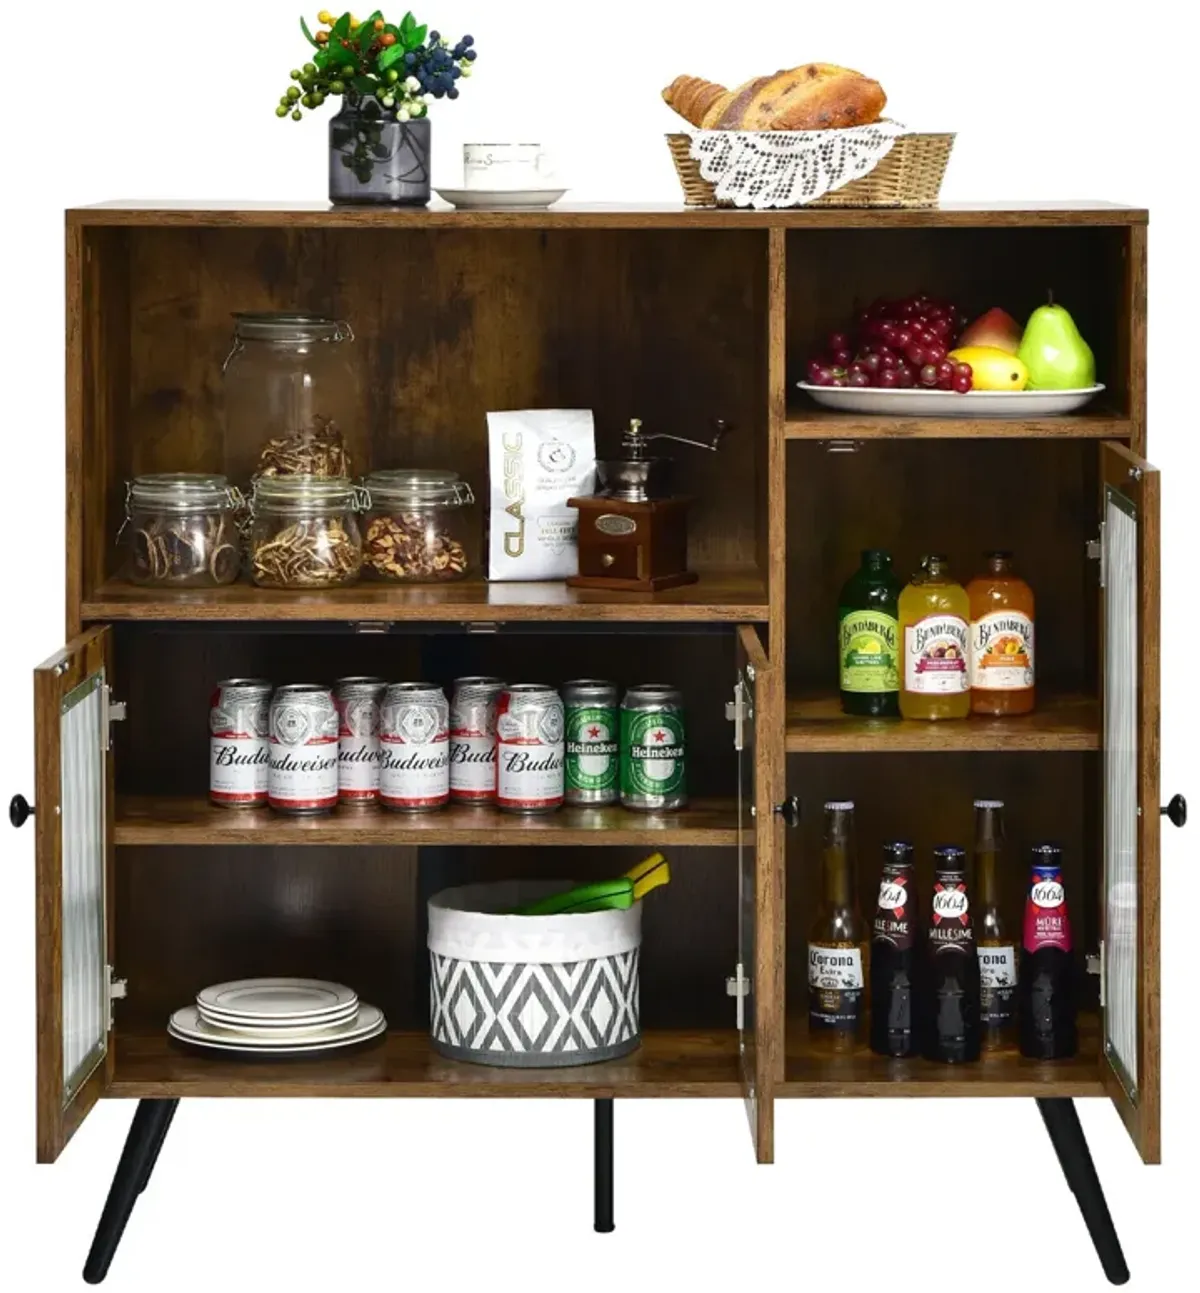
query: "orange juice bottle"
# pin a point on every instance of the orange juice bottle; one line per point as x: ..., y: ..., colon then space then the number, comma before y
x: 1001, y: 658
x: 934, y: 614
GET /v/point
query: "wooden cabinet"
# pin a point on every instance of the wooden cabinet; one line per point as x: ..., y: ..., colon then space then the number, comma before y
x: 675, y: 317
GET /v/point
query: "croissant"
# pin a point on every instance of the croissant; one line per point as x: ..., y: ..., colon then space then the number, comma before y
x: 815, y: 96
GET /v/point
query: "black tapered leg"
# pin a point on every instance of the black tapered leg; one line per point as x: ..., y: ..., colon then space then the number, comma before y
x: 604, y: 1167
x: 1066, y: 1135
x: 146, y: 1135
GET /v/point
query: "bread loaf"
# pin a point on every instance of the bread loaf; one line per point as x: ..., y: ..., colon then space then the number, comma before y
x: 816, y: 96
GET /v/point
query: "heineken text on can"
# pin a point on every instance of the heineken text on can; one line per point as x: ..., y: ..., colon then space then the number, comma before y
x: 303, y: 776
x: 653, y: 748
x: 592, y: 746
x: 357, y: 702
x: 414, y: 732
x: 529, y: 749
x: 239, y: 743
x: 473, y: 739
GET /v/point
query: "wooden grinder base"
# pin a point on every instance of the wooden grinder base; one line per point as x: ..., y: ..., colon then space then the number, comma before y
x: 632, y: 547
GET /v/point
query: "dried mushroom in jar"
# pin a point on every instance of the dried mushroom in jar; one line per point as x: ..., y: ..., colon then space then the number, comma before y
x: 317, y: 450
x: 417, y: 526
x: 410, y: 546
x: 313, y: 553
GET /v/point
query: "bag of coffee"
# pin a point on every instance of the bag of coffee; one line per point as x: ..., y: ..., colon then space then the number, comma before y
x: 538, y: 458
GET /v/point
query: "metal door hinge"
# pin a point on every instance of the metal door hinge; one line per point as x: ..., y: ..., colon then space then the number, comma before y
x: 1095, y: 552
x: 481, y: 626
x: 371, y: 626
x: 1095, y: 965
x: 115, y: 711
x: 738, y: 986
x: 118, y: 990
x: 735, y: 712
x: 843, y: 446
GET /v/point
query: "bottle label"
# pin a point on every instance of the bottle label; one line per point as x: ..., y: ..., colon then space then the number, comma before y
x: 652, y: 752
x: 835, y: 987
x: 592, y: 748
x: 935, y: 655
x: 1046, y: 921
x: 1002, y: 652
x: 893, y: 912
x: 998, y: 984
x: 867, y: 652
x: 950, y: 921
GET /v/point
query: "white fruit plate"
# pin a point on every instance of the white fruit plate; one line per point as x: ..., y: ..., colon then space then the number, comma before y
x: 949, y: 404
x: 500, y: 199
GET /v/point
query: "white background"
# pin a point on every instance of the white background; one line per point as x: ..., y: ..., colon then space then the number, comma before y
x: 1052, y: 100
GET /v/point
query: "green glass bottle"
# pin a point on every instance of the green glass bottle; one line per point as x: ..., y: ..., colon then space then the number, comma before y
x: 868, y: 633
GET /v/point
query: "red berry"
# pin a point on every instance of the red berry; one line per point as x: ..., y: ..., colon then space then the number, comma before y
x: 838, y: 341
x: 841, y: 357
x: 905, y: 377
x: 859, y: 379
x: 888, y: 378
x: 904, y: 338
x: 962, y: 384
x: 935, y: 352
x: 915, y: 355
x: 945, y: 369
x: 929, y: 375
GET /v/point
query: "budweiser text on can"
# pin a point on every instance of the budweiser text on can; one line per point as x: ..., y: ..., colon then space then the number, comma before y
x: 529, y: 749
x: 239, y: 743
x: 357, y: 702
x: 473, y: 739
x: 653, y: 748
x: 414, y: 723
x: 592, y: 746
x: 304, y: 750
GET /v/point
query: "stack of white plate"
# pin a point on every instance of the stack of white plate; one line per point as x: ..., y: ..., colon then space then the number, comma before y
x: 279, y: 1016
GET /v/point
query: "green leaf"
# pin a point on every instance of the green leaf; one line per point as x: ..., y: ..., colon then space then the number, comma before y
x: 366, y: 37
x: 342, y: 26
x: 393, y: 54
x: 409, y: 23
x: 340, y: 56
x: 307, y: 33
x: 419, y: 35
x: 321, y: 57
x: 365, y: 85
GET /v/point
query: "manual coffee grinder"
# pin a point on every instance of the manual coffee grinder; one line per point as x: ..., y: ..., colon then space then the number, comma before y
x: 633, y: 532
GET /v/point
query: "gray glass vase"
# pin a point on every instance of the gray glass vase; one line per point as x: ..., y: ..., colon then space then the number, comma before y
x: 374, y: 158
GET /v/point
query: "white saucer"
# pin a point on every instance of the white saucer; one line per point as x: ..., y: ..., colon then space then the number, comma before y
x: 186, y: 1025
x: 500, y: 199
x: 283, y: 1001
x: 277, y: 1028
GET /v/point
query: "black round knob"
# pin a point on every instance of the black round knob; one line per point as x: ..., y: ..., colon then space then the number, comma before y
x: 20, y: 810
x: 789, y: 810
x: 1176, y: 811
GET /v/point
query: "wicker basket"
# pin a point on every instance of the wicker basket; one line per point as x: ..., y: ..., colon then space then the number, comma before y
x: 909, y: 176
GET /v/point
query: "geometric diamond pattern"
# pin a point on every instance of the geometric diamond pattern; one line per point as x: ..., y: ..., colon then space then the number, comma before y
x: 530, y: 1015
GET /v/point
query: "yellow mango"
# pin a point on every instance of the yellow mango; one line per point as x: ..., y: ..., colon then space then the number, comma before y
x: 992, y: 369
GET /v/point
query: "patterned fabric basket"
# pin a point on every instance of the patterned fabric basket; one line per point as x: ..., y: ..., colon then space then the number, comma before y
x: 909, y: 176
x: 531, y: 991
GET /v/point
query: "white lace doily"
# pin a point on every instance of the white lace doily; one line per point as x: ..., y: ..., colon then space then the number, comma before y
x: 789, y: 168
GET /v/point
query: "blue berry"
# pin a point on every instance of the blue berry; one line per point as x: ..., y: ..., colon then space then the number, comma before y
x: 470, y: 56
x: 434, y: 37
x: 467, y: 40
x: 438, y: 92
x: 455, y: 73
x: 409, y: 59
x: 452, y: 92
x: 458, y: 50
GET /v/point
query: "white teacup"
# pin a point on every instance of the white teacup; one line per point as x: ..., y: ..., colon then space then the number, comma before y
x: 507, y: 166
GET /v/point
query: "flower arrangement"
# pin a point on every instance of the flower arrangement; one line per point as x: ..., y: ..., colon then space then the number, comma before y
x: 398, y: 65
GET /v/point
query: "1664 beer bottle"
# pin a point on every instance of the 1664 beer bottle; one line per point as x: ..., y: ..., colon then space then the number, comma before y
x: 951, y: 980
x: 592, y: 746
x: 414, y: 730
x: 239, y: 743
x: 1047, y: 983
x: 530, y: 749
x: 653, y: 748
x: 997, y: 951
x: 837, y: 946
x: 894, y: 955
x: 473, y: 740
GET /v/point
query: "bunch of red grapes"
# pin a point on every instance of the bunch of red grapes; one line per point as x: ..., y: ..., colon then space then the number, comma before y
x: 896, y: 344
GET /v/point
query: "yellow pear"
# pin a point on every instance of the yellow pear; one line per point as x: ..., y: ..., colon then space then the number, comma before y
x: 992, y: 369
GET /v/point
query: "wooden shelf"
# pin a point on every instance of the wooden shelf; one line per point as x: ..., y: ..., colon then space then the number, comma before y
x: 151, y: 820
x: 726, y: 596
x: 808, y: 421
x: 817, y: 725
x: 150, y: 1065
x: 1005, y: 1073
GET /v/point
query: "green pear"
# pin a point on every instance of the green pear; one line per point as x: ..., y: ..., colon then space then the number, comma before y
x: 1056, y: 355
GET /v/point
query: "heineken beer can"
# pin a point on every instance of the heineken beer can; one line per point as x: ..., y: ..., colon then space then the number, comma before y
x: 239, y: 743
x: 653, y: 748
x: 357, y: 703
x: 473, y: 740
x: 302, y: 775
x: 414, y: 732
x: 592, y: 747
x: 529, y: 749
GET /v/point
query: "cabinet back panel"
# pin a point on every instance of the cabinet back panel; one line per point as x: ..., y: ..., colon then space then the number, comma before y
x: 1037, y: 498
x: 832, y: 273
x: 927, y: 800
x: 168, y: 675
x: 668, y: 326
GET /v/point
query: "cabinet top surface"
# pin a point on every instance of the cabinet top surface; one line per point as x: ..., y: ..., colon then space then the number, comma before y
x: 601, y: 215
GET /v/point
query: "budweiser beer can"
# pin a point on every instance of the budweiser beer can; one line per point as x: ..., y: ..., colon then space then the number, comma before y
x: 239, y: 743
x: 304, y: 749
x: 414, y: 733
x: 592, y: 746
x: 473, y: 739
x: 530, y: 750
x: 357, y: 704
